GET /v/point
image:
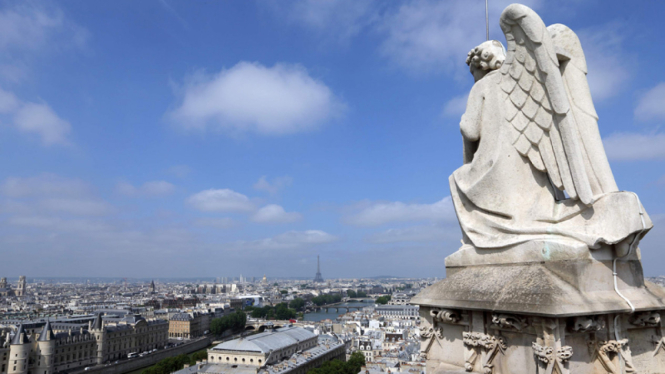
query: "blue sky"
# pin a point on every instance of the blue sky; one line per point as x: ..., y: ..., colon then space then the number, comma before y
x: 218, y: 138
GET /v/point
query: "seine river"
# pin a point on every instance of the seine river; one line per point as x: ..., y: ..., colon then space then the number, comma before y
x: 332, y: 314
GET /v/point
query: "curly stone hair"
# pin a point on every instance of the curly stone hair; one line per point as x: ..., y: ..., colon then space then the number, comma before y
x: 486, y: 57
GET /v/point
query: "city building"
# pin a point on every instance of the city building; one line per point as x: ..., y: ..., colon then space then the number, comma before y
x: 6, y: 290
x: 74, y: 345
x: 286, y: 350
x: 398, y: 311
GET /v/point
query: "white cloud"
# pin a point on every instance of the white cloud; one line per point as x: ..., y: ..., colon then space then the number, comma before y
x: 218, y: 223
x: 149, y: 189
x: 288, y: 240
x: 41, y: 120
x: 275, y: 214
x: 651, y: 105
x: 272, y: 188
x: 607, y: 64
x: 44, y: 185
x: 379, y: 213
x: 456, y: 106
x: 624, y: 146
x: 221, y: 200
x: 29, y: 31
x: 431, y: 233
x: 250, y: 97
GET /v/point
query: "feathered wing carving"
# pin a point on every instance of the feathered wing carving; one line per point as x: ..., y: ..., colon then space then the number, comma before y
x: 537, y: 107
x: 574, y: 70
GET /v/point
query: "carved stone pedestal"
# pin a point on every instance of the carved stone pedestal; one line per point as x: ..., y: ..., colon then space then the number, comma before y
x: 542, y: 308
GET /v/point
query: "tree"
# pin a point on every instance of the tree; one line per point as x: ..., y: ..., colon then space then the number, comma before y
x: 297, y: 304
x: 383, y: 299
x: 234, y: 321
x: 283, y: 312
x: 351, y: 293
x: 356, y: 361
x: 284, y: 292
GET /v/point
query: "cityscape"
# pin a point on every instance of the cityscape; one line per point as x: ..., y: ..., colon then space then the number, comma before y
x: 332, y: 187
x: 117, y: 325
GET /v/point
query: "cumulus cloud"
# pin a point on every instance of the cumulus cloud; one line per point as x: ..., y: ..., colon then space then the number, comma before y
x: 624, y: 146
x: 455, y: 107
x: 651, y: 105
x: 272, y: 187
x: 221, y: 200
x: 149, y: 189
x: 250, y: 97
x: 430, y: 233
x: 287, y: 240
x: 379, y: 213
x: 41, y: 120
x: 28, y: 31
x: 273, y: 213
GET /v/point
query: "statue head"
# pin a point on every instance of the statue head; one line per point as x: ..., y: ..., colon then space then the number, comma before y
x: 485, y: 58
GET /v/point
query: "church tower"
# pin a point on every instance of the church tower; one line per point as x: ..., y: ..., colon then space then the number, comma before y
x: 19, y: 352
x: 46, y: 342
x: 20, y: 291
x: 152, y: 287
x: 100, y: 337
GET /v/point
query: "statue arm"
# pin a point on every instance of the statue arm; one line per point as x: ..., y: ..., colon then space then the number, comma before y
x: 470, y: 123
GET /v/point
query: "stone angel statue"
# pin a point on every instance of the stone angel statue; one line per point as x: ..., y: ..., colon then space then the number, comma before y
x: 534, y: 163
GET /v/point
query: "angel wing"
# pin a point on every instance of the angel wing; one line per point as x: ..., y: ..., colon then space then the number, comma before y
x: 537, y: 107
x: 572, y: 65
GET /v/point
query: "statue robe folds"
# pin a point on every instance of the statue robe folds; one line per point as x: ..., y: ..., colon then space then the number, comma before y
x: 530, y: 133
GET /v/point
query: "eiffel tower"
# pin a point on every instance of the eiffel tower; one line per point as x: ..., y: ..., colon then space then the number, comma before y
x: 318, y: 278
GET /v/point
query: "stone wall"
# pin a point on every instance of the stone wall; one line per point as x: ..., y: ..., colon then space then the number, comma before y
x: 126, y: 366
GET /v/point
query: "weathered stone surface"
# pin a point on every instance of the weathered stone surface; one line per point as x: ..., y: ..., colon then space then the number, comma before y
x: 532, y: 290
x: 546, y: 289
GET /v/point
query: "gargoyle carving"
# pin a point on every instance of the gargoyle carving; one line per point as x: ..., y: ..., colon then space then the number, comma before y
x: 509, y: 321
x: 588, y: 324
x: 446, y: 315
x: 649, y: 319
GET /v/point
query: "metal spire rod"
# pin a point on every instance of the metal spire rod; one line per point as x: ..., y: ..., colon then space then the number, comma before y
x: 487, y: 21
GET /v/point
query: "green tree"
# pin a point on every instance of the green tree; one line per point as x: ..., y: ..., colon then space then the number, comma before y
x: 351, y: 293
x: 297, y: 304
x: 283, y: 312
x: 284, y: 292
x: 356, y: 361
x: 383, y: 299
x: 234, y: 321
